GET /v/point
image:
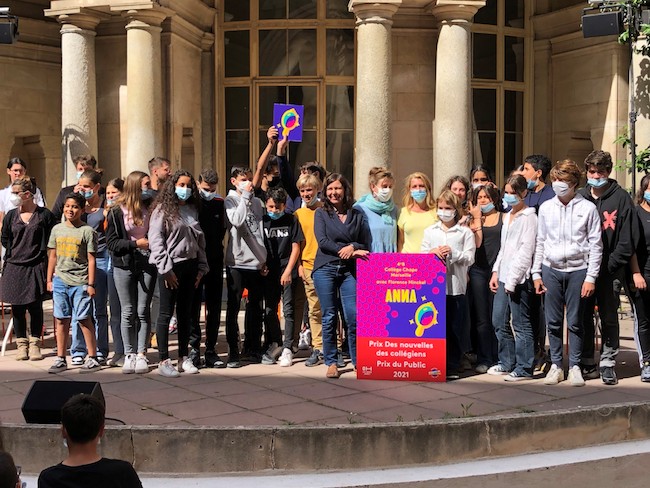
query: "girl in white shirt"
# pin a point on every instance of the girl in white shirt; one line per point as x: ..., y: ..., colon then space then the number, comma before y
x: 454, y: 245
x: 513, y: 287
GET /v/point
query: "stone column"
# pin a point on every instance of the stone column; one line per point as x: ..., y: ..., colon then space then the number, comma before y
x: 452, y: 129
x: 78, y: 90
x: 373, y: 100
x: 144, y: 89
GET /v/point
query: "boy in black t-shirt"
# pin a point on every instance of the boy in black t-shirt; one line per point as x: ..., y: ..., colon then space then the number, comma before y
x: 82, y: 419
x: 282, y: 237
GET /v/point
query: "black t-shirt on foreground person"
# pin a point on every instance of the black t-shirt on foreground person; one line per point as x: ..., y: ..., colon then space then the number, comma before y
x: 105, y: 473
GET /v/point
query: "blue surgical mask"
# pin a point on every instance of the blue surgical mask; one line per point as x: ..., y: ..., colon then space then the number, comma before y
x: 646, y: 196
x: 510, y: 200
x: 87, y: 194
x: 487, y: 208
x: 274, y: 215
x: 532, y: 184
x: 147, y: 194
x: 207, y: 195
x: 79, y: 173
x: 597, y: 182
x: 419, y: 195
x: 183, y: 192
x: 110, y: 202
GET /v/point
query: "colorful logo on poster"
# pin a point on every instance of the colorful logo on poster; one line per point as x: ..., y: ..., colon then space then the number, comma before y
x: 425, y: 316
x: 288, y: 119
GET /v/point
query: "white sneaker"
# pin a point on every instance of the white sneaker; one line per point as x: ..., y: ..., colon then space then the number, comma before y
x: 305, y: 339
x: 185, y: 365
x: 141, y: 365
x: 497, y: 370
x: 575, y: 376
x: 286, y: 359
x: 129, y: 364
x: 554, y: 376
x: 166, y: 369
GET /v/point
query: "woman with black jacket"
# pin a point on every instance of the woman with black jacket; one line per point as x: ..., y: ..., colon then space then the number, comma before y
x: 25, y: 233
x: 128, y: 226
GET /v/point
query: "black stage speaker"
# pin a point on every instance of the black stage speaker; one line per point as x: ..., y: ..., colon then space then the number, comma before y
x: 602, y: 24
x: 8, y: 31
x: 44, y: 400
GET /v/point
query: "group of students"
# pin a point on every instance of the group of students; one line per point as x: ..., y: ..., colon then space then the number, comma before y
x: 522, y: 261
x: 152, y: 245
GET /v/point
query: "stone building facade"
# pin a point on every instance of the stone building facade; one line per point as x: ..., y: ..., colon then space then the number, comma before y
x: 426, y: 85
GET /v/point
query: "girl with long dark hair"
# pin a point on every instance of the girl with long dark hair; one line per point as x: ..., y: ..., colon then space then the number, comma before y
x: 177, y: 247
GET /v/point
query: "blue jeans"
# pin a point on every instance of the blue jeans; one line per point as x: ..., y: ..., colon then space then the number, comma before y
x: 482, y: 302
x: 70, y: 302
x: 516, y: 344
x: 564, y: 289
x: 135, y: 289
x: 331, y: 281
x: 100, y: 312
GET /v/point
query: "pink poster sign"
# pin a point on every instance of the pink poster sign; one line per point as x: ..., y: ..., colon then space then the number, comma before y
x: 401, y: 317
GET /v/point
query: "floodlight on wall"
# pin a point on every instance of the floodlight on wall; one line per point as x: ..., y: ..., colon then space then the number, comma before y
x: 8, y: 26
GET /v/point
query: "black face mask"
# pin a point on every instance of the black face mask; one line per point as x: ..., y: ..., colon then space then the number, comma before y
x: 275, y: 181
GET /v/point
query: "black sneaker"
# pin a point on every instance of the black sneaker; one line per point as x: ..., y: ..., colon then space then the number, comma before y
x: 340, y: 362
x: 267, y: 359
x: 589, y: 372
x: 315, y: 358
x: 608, y: 375
x: 453, y: 375
x: 59, y: 365
x: 195, y: 356
x: 212, y: 360
x: 233, y: 361
x: 101, y: 360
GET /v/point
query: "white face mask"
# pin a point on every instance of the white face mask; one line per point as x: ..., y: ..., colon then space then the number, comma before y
x: 476, y: 185
x: 242, y: 185
x: 561, y: 188
x: 446, y: 215
x: 384, y: 194
x: 15, y: 200
x: 207, y: 195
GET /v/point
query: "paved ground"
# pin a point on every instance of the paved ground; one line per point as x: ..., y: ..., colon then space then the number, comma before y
x: 271, y: 395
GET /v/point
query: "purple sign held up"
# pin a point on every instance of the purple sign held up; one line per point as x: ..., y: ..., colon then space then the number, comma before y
x: 288, y: 120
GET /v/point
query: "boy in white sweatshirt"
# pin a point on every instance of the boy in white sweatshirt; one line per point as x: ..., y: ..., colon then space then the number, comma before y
x: 567, y: 260
x: 245, y: 260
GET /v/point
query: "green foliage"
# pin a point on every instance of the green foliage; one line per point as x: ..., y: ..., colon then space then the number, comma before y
x: 642, y: 157
x: 634, y: 28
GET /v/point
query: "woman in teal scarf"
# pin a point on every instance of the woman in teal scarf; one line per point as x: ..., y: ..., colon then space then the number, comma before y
x: 380, y: 211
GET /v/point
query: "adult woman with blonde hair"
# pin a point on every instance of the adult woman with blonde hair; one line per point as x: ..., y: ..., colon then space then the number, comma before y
x: 25, y: 233
x: 380, y: 211
x: 128, y: 225
x: 418, y: 212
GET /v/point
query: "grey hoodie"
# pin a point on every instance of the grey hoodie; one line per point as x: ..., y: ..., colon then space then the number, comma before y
x: 183, y: 240
x: 246, y: 248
